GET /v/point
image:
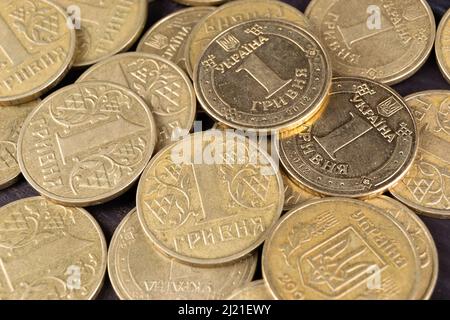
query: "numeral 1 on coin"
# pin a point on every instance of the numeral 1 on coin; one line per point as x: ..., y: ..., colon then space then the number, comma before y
x: 10, y: 45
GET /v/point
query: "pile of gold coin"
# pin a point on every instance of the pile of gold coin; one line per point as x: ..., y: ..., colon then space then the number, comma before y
x: 315, y: 172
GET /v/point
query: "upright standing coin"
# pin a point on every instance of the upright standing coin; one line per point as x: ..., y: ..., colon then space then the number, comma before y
x: 256, y: 290
x: 231, y: 14
x: 426, y: 186
x: 168, y: 37
x: 11, y: 121
x: 48, y: 251
x: 353, y: 31
x: 86, y: 143
x: 338, y: 248
x: 286, y: 68
x: 139, y: 271
x: 364, y: 142
x: 421, y: 239
x: 104, y: 28
x: 36, y: 49
x: 442, y: 46
x: 211, y: 198
x: 164, y: 87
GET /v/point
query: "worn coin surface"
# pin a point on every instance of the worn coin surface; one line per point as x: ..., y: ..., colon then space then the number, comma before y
x: 11, y: 120
x: 256, y: 290
x: 426, y: 186
x: 165, y: 88
x: 262, y: 75
x: 364, y: 142
x: 387, y: 41
x: 139, y: 271
x: 211, y: 198
x: 168, y: 37
x: 340, y: 248
x: 36, y: 49
x: 49, y: 252
x: 421, y: 239
x: 86, y: 143
x: 293, y: 194
x: 442, y: 46
x: 231, y: 14
x: 104, y: 28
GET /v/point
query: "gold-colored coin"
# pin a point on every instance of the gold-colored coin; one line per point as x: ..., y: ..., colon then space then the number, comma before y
x: 256, y: 290
x: 36, y: 49
x: 293, y: 194
x: 50, y: 252
x: 165, y: 88
x: 201, y: 2
x: 353, y: 30
x: 442, y: 46
x: 86, y: 143
x: 231, y: 14
x: 421, y: 239
x: 168, y: 37
x: 339, y: 248
x: 11, y: 120
x: 104, y: 28
x: 139, y: 271
x: 211, y: 198
x: 426, y: 186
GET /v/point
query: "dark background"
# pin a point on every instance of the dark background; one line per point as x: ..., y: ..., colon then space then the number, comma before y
x: 110, y: 214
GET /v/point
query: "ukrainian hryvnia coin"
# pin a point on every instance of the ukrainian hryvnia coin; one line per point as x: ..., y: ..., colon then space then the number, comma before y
x: 231, y: 14
x: 36, y: 49
x: 384, y: 40
x: 426, y: 186
x: 256, y: 290
x: 86, y: 143
x: 285, y: 67
x: 211, y: 198
x: 442, y: 46
x: 49, y: 252
x: 139, y: 271
x: 104, y: 28
x: 421, y: 239
x: 363, y: 143
x: 168, y: 37
x: 165, y: 88
x: 201, y: 2
x: 339, y: 248
x: 293, y: 194
x: 11, y: 120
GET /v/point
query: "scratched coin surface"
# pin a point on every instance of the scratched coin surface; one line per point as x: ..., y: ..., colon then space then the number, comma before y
x: 168, y: 37
x: 138, y: 271
x: 49, y: 252
x: 36, y: 49
x: 104, y: 28
x: 364, y: 142
x: 421, y: 239
x: 86, y: 143
x: 442, y: 46
x: 262, y: 75
x: 231, y: 14
x: 11, y: 120
x: 256, y: 290
x: 165, y: 88
x: 387, y: 41
x: 211, y: 198
x: 340, y: 248
x: 426, y: 186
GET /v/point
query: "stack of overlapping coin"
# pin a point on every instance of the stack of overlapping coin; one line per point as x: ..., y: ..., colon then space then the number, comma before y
x: 314, y: 86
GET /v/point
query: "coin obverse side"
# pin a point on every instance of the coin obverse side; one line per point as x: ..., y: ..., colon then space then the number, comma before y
x: 263, y: 75
x: 442, y: 46
x: 11, y: 120
x: 139, y: 271
x: 364, y: 142
x: 211, y: 198
x: 231, y: 14
x: 168, y: 37
x: 421, y: 239
x: 86, y: 143
x: 426, y: 186
x: 104, y: 28
x: 340, y: 248
x: 256, y: 290
x: 352, y: 31
x: 36, y: 49
x: 50, y: 252
x: 165, y: 88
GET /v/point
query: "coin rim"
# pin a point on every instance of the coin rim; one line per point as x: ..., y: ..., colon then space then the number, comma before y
x: 249, y: 286
x: 438, y: 47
